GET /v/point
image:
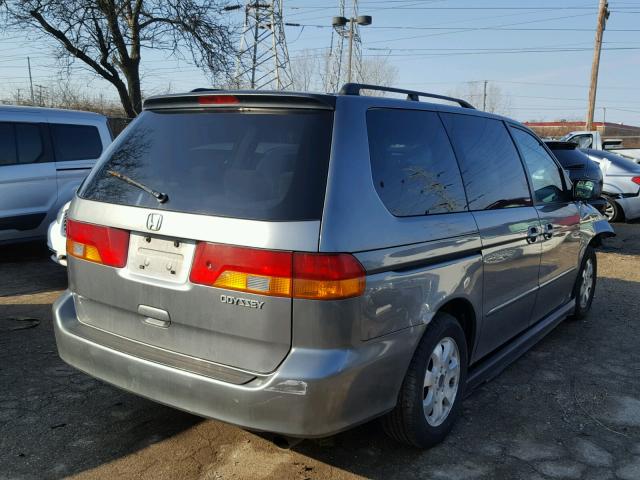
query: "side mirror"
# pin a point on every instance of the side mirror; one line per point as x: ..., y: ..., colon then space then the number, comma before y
x: 583, y: 190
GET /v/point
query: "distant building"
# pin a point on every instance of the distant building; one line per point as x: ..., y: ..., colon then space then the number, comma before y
x: 629, y: 134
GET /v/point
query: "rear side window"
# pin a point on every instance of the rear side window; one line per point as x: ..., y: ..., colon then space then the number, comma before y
x: 22, y: 143
x: 260, y: 165
x: 8, y: 150
x: 491, y: 168
x: 29, y: 142
x: 75, y: 142
x: 413, y: 166
x: 545, y: 174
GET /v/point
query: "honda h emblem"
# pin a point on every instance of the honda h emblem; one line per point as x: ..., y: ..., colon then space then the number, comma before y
x: 154, y: 222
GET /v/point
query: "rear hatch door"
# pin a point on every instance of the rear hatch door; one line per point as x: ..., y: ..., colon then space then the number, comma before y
x: 236, y: 176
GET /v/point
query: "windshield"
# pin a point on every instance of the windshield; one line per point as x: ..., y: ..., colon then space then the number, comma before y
x: 262, y: 165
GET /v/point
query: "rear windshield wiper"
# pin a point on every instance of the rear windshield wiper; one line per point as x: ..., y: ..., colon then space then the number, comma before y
x: 159, y: 196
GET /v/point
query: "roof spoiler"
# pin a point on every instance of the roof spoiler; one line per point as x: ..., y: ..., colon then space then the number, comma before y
x: 201, y: 98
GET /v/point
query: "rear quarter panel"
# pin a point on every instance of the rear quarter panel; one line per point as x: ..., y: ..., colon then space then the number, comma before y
x: 414, y: 264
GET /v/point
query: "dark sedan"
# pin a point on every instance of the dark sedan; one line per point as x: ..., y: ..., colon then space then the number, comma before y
x: 580, y: 166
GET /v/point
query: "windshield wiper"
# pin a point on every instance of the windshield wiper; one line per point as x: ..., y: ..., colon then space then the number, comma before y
x: 159, y: 196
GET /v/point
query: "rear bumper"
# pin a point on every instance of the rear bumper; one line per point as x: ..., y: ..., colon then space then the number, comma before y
x: 630, y: 206
x: 313, y: 393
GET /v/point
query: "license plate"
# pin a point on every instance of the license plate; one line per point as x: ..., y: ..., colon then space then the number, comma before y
x: 160, y: 257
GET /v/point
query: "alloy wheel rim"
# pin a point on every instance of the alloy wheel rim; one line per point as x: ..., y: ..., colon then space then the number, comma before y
x: 586, y: 286
x: 441, y: 381
x: 609, y: 210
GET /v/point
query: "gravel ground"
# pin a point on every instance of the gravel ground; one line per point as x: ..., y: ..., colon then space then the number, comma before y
x: 570, y: 408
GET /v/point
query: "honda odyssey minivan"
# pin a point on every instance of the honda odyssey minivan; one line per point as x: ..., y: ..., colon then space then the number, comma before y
x: 301, y: 263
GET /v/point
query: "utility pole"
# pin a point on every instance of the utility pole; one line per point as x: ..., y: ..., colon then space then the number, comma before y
x: 350, y: 52
x: 354, y: 53
x: 603, y: 15
x: 484, y: 97
x: 30, y: 80
x: 40, y: 96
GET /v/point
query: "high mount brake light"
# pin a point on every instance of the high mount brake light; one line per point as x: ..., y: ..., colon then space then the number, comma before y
x: 98, y: 244
x: 283, y: 274
x: 218, y: 100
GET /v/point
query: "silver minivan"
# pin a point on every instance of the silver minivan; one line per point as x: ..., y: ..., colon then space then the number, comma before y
x: 44, y: 155
x: 302, y: 263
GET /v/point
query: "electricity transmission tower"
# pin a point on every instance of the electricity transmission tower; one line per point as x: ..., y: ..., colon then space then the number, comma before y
x: 338, y: 69
x: 263, y: 58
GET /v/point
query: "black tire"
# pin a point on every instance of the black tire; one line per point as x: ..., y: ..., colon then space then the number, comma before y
x: 613, y: 212
x: 407, y: 422
x: 583, y: 307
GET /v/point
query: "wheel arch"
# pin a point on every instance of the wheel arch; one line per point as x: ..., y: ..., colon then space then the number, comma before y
x: 462, y: 309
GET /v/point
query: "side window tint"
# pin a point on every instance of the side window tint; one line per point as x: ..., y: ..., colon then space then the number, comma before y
x: 414, y: 169
x: 75, y: 142
x: 29, y: 141
x: 8, y: 153
x: 545, y: 174
x: 491, y: 168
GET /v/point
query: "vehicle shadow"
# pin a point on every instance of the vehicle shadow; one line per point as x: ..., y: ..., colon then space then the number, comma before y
x: 26, y: 269
x: 57, y: 421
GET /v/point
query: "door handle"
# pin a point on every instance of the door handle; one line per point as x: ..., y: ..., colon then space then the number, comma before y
x: 548, y: 231
x: 532, y: 234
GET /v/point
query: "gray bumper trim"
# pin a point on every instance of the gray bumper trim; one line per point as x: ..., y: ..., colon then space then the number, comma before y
x: 314, y: 392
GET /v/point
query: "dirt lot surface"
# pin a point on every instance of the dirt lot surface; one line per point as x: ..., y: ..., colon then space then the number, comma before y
x: 570, y: 408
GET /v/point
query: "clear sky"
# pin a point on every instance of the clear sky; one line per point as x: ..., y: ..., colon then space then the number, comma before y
x: 539, y: 53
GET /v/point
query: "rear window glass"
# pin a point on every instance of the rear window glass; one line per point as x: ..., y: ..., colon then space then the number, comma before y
x: 493, y: 174
x: 260, y: 165
x: 75, y: 142
x: 412, y: 163
x: 570, y: 157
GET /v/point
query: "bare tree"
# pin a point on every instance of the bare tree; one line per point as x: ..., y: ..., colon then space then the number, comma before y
x: 110, y: 35
x: 378, y: 71
x: 473, y: 92
x: 305, y: 71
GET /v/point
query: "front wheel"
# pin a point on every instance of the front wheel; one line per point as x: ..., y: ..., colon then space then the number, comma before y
x: 432, y: 390
x: 585, y: 285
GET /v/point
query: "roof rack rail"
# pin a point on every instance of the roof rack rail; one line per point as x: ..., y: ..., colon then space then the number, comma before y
x: 354, y: 89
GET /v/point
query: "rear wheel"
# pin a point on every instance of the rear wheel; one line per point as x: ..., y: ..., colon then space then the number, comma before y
x: 612, y: 211
x: 585, y: 286
x: 432, y: 390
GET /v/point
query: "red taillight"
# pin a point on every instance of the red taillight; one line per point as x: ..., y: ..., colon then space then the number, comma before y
x: 283, y: 274
x: 636, y: 180
x: 218, y: 100
x: 96, y: 243
x: 246, y: 269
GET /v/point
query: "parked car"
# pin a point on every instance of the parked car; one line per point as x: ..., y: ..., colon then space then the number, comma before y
x: 593, y: 140
x: 302, y: 263
x: 621, y: 184
x: 57, y: 236
x: 579, y: 166
x: 44, y: 155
